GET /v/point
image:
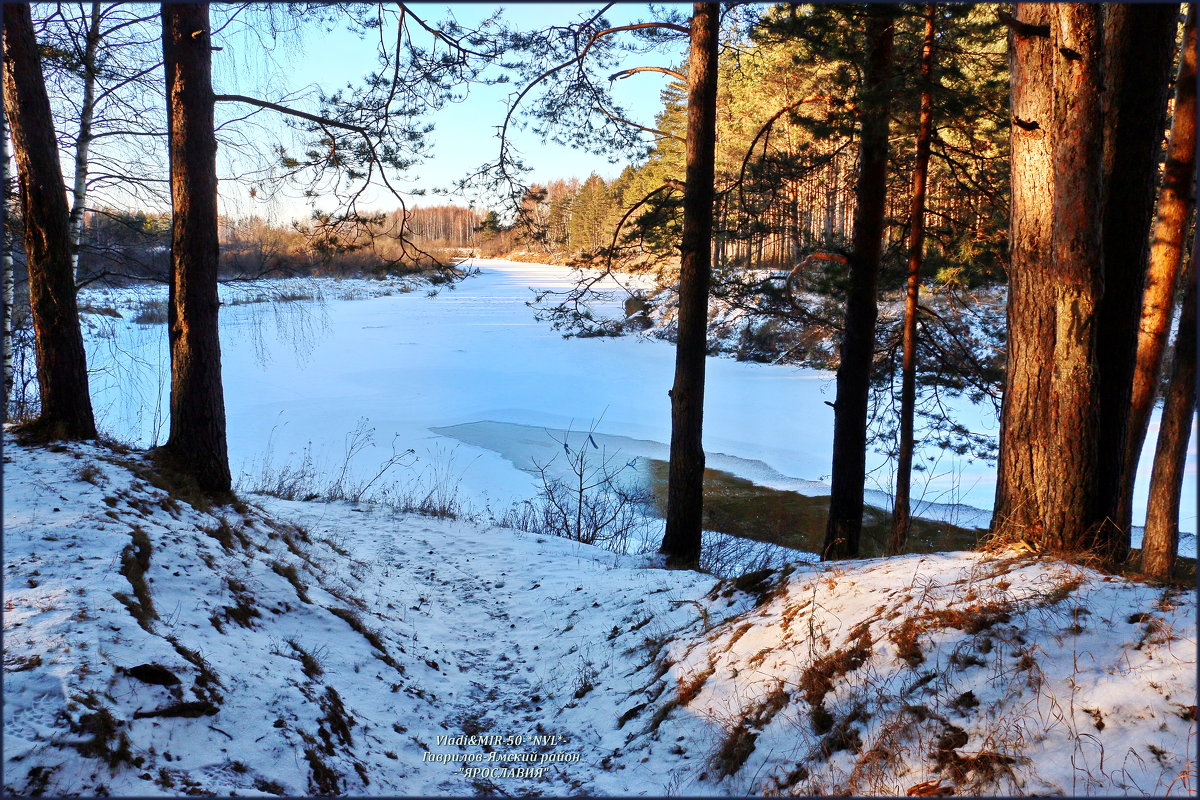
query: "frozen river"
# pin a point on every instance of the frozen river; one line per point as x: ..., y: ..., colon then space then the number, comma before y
x: 477, y: 387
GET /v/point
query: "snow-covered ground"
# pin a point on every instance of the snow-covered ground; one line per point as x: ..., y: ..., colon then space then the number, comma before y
x: 475, y: 386
x: 156, y: 648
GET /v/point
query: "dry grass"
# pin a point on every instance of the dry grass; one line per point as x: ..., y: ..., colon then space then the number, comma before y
x: 289, y: 573
x: 689, y: 687
x: 820, y: 677
x: 373, y: 638
x: 308, y: 662
x: 734, y: 750
x: 135, y: 560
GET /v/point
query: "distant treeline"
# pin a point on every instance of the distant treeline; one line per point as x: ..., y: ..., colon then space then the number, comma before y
x: 128, y: 245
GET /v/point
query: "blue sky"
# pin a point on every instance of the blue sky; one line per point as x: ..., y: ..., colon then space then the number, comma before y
x: 465, y: 133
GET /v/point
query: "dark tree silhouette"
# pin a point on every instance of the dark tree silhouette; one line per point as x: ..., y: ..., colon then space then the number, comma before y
x: 916, y: 246
x: 685, y: 485
x: 1139, y: 41
x: 1167, y: 250
x: 66, y: 407
x: 196, y: 444
x: 858, y: 337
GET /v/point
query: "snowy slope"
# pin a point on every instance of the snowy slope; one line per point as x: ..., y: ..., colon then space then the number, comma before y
x: 334, y: 648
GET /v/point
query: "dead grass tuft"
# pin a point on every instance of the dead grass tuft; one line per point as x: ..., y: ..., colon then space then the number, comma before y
x: 322, y: 779
x: 820, y: 677
x: 905, y: 637
x: 308, y: 662
x: 292, y: 576
x: 689, y: 687
x: 206, y: 679
x: 226, y: 534
x: 373, y: 638
x: 135, y: 560
x: 337, y: 720
x: 733, y: 752
x: 90, y: 473
x: 108, y: 741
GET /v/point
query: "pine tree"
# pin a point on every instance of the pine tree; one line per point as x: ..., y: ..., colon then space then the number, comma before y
x: 1176, y: 203
x: 858, y: 333
x: 197, y: 443
x: 1139, y: 43
x: 61, y: 364
x: 685, y: 483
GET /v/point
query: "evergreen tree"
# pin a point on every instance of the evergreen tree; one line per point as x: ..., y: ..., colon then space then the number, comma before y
x: 196, y: 444
x: 66, y: 406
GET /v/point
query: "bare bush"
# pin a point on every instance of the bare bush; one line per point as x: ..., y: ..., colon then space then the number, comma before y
x: 592, y: 501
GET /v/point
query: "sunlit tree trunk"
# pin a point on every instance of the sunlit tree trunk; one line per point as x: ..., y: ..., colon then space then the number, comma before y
x: 858, y: 336
x: 61, y: 364
x: 1019, y: 503
x: 916, y: 248
x: 1167, y: 246
x: 685, y: 487
x: 1074, y: 509
x: 1160, y: 542
x: 197, y: 443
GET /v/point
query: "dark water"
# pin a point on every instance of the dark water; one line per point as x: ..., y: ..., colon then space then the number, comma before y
x: 743, y: 508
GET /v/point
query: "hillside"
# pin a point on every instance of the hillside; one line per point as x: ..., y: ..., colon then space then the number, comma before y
x: 157, y: 648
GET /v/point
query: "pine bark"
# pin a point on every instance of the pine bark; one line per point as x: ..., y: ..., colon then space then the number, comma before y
x: 844, y: 527
x: 1160, y: 541
x: 685, y: 484
x: 1030, y: 313
x: 901, y: 513
x: 196, y: 444
x: 66, y: 407
x: 1167, y: 245
x: 1139, y: 44
x: 1073, y: 511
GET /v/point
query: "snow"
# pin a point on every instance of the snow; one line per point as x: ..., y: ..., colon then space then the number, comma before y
x: 336, y: 642
x: 346, y: 647
x: 420, y: 371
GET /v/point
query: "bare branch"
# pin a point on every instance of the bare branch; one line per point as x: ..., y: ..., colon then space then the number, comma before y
x: 625, y: 73
x: 655, y: 131
x: 241, y: 98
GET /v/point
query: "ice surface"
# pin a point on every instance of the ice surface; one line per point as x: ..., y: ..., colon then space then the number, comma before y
x: 417, y: 368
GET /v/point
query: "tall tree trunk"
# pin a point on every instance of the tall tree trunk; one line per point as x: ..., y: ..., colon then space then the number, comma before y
x: 61, y: 363
x: 858, y: 335
x: 83, y: 141
x: 1019, y: 502
x: 196, y: 444
x: 685, y: 486
x: 8, y: 282
x: 1160, y: 542
x: 1175, y: 203
x: 916, y: 247
x: 1074, y: 508
x: 1139, y: 46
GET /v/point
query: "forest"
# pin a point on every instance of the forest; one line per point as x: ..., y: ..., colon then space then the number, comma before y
x: 883, y: 316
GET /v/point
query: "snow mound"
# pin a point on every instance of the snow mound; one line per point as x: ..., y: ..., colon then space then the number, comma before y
x: 156, y: 647
x: 954, y: 673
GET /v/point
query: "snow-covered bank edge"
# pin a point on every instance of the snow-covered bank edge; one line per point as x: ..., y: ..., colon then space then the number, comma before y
x: 326, y: 647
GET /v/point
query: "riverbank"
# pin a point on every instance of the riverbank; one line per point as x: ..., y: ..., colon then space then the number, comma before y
x: 382, y: 370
